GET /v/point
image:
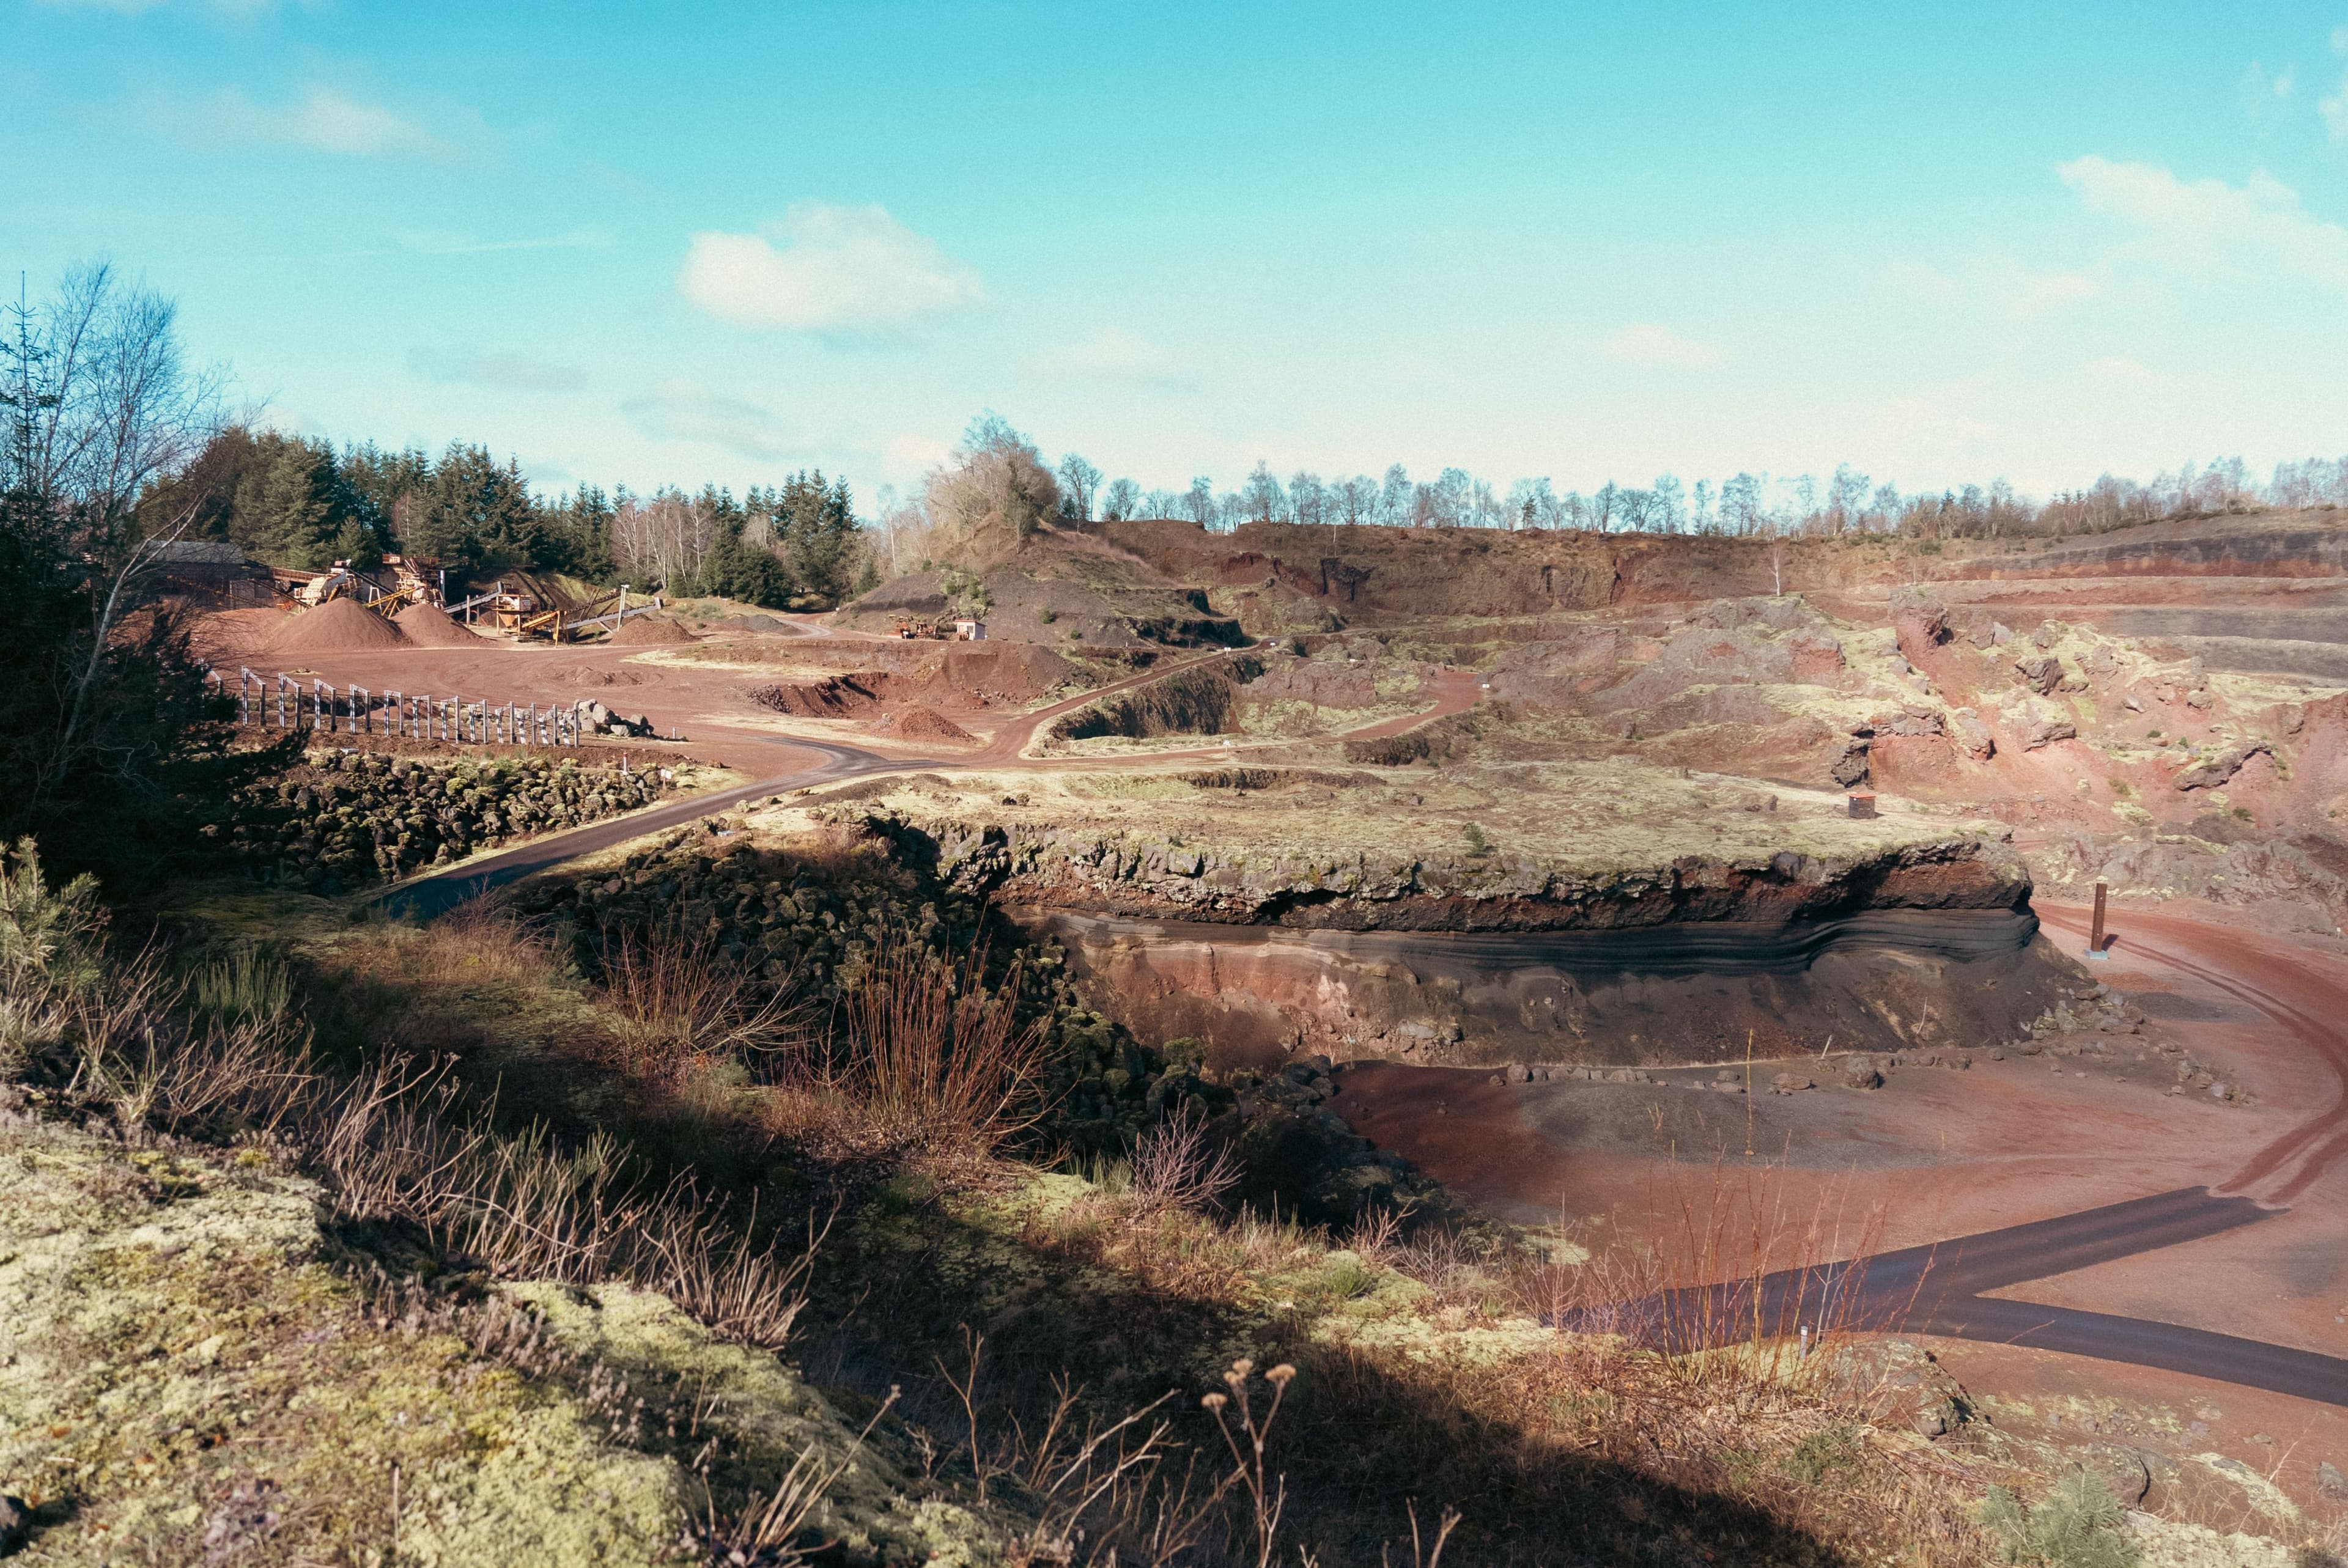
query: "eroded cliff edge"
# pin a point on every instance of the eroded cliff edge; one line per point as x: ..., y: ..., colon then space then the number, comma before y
x: 1335, y: 916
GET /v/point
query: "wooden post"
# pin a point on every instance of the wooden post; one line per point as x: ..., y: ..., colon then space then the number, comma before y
x: 2096, y: 937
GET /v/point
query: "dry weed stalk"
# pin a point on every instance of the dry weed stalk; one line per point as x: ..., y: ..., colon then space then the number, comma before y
x: 1269, y: 1495
x: 1426, y: 1553
x: 679, y: 1006
x: 934, y: 1057
x: 1175, y: 1166
x: 767, y: 1533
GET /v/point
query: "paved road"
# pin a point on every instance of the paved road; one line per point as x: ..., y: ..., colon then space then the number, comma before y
x: 1941, y: 1288
x: 426, y: 896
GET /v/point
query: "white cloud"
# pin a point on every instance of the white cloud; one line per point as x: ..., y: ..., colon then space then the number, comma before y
x: 2259, y: 226
x: 2006, y: 291
x: 682, y: 411
x: 2016, y: 293
x: 2266, y: 96
x: 2122, y: 371
x: 1657, y: 348
x: 1929, y: 283
x: 825, y: 269
x: 515, y: 373
x: 2334, y: 107
x: 322, y: 119
x: 1112, y: 356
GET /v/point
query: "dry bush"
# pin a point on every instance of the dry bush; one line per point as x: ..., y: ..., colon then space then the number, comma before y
x: 1176, y: 1166
x: 934, y: 1058
x: 677, y: 1007
x: 743, y: 1292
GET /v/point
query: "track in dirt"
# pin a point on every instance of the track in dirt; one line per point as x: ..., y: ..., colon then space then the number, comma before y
x: 426, y: 896
x: 2259, y: 978
x: 1940, y: 1289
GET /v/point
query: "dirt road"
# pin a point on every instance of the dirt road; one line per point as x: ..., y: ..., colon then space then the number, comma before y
x: 1953, y: 1287
x: 426, y: 897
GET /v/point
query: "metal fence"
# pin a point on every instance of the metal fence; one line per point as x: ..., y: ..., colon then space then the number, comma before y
x: 282, y: 703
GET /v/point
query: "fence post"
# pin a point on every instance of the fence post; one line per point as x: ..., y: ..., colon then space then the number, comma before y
x: 284, y: 685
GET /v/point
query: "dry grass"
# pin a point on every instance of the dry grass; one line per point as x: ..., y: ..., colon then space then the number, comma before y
x: 934, y: 1057
x: 674, y: 1009
x: 399, y: 1139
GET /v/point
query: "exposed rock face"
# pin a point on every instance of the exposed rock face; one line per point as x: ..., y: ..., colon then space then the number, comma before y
x: 1125, y: 873
x: 2040, y: 725
x: 1485, y: 958
x: 1258, y: 994
x: 2218, y: 767
x: 2041, y: 673
x: 1973, y: 735
x: 1920, y: 619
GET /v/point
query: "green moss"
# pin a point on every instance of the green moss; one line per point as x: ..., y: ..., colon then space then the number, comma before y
x: 181, y: 1364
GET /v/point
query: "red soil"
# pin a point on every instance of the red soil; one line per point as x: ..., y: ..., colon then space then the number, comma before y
x: 337, y: 625
x: 650, y: 628
x: 430, y: 626
x: 1939, y: 1153
x: 916, y: 722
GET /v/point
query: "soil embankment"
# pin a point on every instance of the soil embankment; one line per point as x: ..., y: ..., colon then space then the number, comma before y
x: 1886, y: 979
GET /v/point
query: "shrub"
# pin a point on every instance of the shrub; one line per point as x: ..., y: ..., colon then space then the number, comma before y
x: 2077, y: 1526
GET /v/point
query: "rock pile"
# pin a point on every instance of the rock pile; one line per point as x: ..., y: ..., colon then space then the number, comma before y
x: 345, y: 820
x: 598, y: 719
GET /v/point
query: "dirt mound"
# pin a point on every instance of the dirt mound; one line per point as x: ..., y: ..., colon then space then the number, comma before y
x: 1014, y: 672
x: 430, y: 626
x: 651, y: 629
x: 768, y: 623
x: 916, y: 722
x: 337, y: 624
x: 840, y: 697
x: 228, y: 635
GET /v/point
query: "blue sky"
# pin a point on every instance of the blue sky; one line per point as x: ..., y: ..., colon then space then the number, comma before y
x: 648, y: 244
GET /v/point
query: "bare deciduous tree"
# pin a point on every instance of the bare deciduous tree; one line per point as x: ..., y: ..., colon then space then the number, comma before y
x: 663, y: 539
x: 1079, y: 481
x: 995, y: 478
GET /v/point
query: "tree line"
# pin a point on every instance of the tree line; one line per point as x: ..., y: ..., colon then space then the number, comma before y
x: 292, y: 501
x: 997, y: 473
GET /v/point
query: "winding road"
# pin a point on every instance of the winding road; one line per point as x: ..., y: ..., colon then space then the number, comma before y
x: 426, y: 897
x: 1944, y: 1288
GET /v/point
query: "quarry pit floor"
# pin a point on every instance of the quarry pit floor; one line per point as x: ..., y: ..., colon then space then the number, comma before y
x: 1660, y: 1171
